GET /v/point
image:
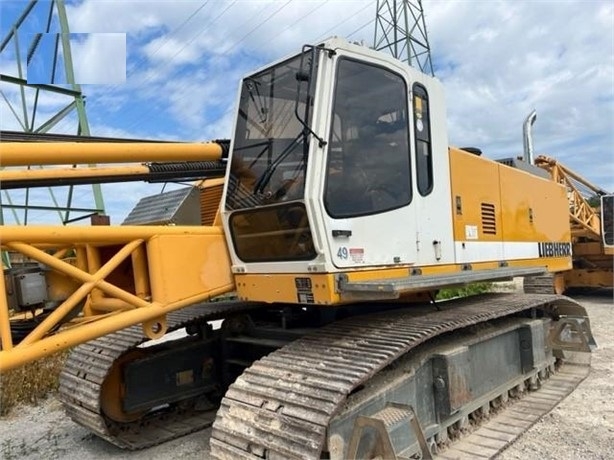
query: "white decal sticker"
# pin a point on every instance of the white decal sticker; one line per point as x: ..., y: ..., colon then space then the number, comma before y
x: 471, y: 232
x: 357, y: 255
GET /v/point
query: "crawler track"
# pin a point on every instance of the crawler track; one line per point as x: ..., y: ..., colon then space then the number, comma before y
x: 88, y: 365
x: 497, y: 433
x: 539, y: 284
x: 281, y: 406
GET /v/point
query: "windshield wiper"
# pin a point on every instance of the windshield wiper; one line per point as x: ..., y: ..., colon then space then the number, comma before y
x: 260, y: 105
x: 266, y: 176
x: 302, y: 76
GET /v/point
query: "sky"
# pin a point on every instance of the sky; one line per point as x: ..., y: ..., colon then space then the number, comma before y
x: 171, y: 70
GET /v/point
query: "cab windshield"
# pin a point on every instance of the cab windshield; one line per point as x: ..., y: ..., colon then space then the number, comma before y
x: 266, y: 184
x: 269, y: 157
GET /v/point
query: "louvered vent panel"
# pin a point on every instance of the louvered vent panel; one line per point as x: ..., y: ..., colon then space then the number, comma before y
x: 210, y: 198
x: 489, y: 219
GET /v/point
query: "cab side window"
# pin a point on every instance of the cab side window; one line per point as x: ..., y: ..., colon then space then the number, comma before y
x: 422, y: 135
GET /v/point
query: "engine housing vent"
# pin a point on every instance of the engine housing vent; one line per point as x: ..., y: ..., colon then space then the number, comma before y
x: 489, y: 219
x: 210, y: 198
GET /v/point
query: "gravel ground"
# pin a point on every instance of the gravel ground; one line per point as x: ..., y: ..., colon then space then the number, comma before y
x: 580, y: 427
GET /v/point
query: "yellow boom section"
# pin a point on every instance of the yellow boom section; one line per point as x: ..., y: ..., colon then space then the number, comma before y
x: 584, y: 219
x: 14, y: 175
x: 58, y: 153
x: 108, y: 278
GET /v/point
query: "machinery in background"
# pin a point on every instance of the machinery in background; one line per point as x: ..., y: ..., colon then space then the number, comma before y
x: 591, y: 218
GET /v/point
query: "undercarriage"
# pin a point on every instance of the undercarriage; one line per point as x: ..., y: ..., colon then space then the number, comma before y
x: 402, y: 383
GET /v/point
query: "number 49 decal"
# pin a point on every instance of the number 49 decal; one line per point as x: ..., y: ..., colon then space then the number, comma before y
x: 356, y: 254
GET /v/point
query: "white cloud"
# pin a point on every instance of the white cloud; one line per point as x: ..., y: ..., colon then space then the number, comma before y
x: 99, y: 58
x: 222, y: 26
x: 164, y: 49
x: 556, y: 57
x: 121, y: 16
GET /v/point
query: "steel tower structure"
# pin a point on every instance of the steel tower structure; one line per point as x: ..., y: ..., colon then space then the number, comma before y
x: 401, y: 30
x: 26, y: 108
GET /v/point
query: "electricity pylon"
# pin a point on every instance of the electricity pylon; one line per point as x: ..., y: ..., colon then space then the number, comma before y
x: 401, y: 30
x: 26, y: 109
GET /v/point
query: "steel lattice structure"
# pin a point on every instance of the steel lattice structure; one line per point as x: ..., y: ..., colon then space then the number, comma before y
x: 23, y: 108
x: 400, y: 29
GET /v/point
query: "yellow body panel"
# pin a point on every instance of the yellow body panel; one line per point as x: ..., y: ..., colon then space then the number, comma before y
x: 321, y: 289
x: 282, y: 288
x: 474, y: 181
x: 527, y: 207
x: 589, y: 278
x: 183, y: 266
x: 590, y: 249
x: 532, y: 208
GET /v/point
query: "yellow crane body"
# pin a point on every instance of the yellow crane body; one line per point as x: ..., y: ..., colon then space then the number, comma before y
x: 492, y: 209
x: 177, y: 266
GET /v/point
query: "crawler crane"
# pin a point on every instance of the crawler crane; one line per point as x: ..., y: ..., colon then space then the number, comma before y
x: 341, y: 211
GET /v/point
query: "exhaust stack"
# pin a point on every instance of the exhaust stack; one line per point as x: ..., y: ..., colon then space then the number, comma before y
x: 528, y: 137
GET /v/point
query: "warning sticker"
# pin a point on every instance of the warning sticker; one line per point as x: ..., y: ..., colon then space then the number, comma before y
x: 471, y: 232
x: 357, y: 255
x: 304, y: 292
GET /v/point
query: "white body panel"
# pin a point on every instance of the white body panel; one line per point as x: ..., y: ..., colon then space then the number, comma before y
x: 434, y: 224
x: 403, y: 236
x: 376, y: 239
x: 487, y: 251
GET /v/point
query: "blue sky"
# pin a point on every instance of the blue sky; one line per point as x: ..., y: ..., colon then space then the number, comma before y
x: 172, y: 70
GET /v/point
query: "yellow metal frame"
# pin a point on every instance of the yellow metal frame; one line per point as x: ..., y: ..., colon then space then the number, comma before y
x: 33, y: 175
x: 103, y: 306
x: 589, y: 278
x: 15, y: 154
x: 584, y: 219
x: 68, y: 153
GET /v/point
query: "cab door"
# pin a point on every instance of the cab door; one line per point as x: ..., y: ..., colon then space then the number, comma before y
x: 367, y: 196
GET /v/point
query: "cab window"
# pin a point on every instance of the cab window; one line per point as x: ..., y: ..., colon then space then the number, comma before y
x: 422, y: 135
x: 368, y: 168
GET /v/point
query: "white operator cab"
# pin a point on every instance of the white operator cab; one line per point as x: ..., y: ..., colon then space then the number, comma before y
x: 339, y: 161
